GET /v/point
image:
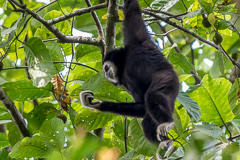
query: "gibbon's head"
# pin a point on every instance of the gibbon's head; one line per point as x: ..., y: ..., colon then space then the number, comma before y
x: 110, y: 72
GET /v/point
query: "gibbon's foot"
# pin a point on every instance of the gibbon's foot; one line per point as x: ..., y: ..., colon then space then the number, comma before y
x: 165, y: 149
x: 86, y: 98
x: 162, y: 130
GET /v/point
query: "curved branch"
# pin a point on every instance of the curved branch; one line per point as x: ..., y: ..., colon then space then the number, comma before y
x: 16, y: 115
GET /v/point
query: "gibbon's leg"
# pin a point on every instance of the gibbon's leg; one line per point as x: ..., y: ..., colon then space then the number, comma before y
x: 150, y: 128
x: 125, y: 109
x: 159, y: 108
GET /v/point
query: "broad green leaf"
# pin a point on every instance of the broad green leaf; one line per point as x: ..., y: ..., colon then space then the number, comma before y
x: 24, y: 90
x: 40, y: 114
x: 190, y: 105
x: 52, y: 133
x: 84, y: 75
x: 3, y: 4
x: 39, y: 61
x: 14, y: 134
x: 218, y: 66
x: 182, y: 120
x: 4, y: 155
x: 137, y: 139
x: 212, y: 97
x: 129, y: 156
x: 83, y: 148
x: 181, y: 61
x: 105, y: 90
x: 119, y: 127
x: 233, y: 97
x: 211, y: 18
x: 72, y: 115
x: 3, y: 141
x: 93, y: 120
x: 212, y: 131
x: 206, y: 6
x: 226, y: 32
x: 82, y: 50
x: 231, y: 152
x: 184, y: 77
x: 10, y: 37
x: 5, y: 117
x: 56, y: 55
x: 164, y: 5
x: 221, y: 24
x: 30, y: 147
x: 9, y: 30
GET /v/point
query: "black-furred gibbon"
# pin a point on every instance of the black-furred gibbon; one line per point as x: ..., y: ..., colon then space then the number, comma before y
x: 142, y: 69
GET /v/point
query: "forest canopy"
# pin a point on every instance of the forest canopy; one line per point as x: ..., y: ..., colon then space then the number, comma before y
x: 50, y: 51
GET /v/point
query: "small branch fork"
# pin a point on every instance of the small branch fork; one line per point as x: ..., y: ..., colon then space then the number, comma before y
x: 49, y: 24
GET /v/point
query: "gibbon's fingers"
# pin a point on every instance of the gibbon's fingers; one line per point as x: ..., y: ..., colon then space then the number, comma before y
x: 165, y: 149
x: 163, y: 129
x: 86, y: 98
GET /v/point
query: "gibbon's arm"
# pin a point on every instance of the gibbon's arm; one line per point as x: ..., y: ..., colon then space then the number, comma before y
x: 124, y: 109
x: 134, y: 29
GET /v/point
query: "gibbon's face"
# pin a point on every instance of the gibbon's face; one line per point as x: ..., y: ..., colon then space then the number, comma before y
x: 110, y: 72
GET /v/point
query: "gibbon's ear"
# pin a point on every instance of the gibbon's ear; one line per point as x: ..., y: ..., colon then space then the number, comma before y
x: 111, y: 72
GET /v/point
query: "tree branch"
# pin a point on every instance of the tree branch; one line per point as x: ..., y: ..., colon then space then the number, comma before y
x: 77, y: 13
x: 61, y: 37
x: 112, y: 18
x: 97, y: 22
x: 16, y: 115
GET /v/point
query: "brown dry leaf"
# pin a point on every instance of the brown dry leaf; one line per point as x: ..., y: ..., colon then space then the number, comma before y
x: 58, y: 85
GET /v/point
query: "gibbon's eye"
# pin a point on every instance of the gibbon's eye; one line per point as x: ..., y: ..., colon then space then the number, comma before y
x: 106, y: 68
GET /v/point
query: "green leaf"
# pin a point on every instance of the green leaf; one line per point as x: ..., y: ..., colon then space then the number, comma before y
x: 218, y: 66
x: 190, y: 105
x: 82, y: 50
x: 206, y: 6
x: 14, y: 134
x: 4, y: 155
x: 233, y: 97
x: 105, y: 90
x: 181, y: 61
x: 40, y: 114
x: 11, y: 29
x: 221, y: 24
x: 163, y: 5
x: 56, y: 54
x: 231, y: 152
x: 119, y: 127
x: 212, y: 131
x: 24, y: 90
x: 184, y: 77
x: 30, y: 147
x: 52, y: 133
x: 10, y: 37
x: 212, y: 98
x: 92, y: 119
x: 3, y: 141
x: 5, y: 117
x: 137, y: 139
x: 39, y: 61
x: 72, y: 114
x: 129, y: 156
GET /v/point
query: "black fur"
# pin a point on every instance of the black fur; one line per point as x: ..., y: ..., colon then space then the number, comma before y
x: 145, y: 73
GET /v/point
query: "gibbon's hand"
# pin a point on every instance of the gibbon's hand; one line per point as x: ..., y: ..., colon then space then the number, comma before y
x: 162, y: 130
x: 86, y: 98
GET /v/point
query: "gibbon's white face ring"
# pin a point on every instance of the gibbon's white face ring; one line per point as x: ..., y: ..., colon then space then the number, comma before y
x: 110, y: 72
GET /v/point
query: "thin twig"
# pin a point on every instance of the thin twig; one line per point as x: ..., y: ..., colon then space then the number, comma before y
x: 56, y: 62
x: 97, y: 22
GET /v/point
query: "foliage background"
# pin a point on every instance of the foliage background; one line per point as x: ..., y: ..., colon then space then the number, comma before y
x: 45, y: 64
